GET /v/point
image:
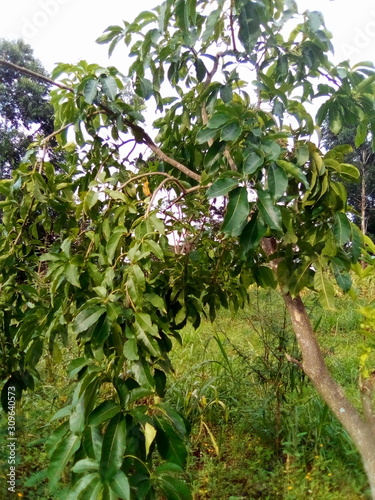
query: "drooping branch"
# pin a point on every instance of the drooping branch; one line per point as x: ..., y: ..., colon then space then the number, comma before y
x: 139, y: 133
x: 38, y: 76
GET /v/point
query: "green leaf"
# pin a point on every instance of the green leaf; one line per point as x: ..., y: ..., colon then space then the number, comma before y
x: 120, y: 486
x: 251, y: 163
x: 294, y: 171
x: 114, y: 240
x: 85, y: 465
x: 357, y: 243
x: 146, y: 88
x: 61, y: 456
x: 109, y: 86
x: 200, y: 69
x: 237, y: 212
x: 205, y: 135
x: 341, y: 229
x: 277, y: 181
x: 231, y: 131
x: 302, y: 154
x: 174, y: 488
x: 226, y: 93
x: 71, y: 273
x: 171, y: 447
x: 269, y: 211
x: 249, y: 26
x: 83, y: 485
x: 156, y: 301
x: 361, y: 134
x: 213, y: 154
x: 349, y: 172
x: 90, y: 200
x: 142, y: 373
x: 90, y: 90
x: 221, y: 187
x: 218, y: 120
x: 252, y: 234
x: 84, y: 405
x: 315, y: 20
x: 325, y: 288
x: 334, y: 120
x: 113, y: 449
x: 342, y: 276
x: 76, y: 366
x: 264, y: 277
x: 103, y: 412
x: 299, y: 278
x: 130, y: 350
x: 154, y: 248
x: 86, y: 318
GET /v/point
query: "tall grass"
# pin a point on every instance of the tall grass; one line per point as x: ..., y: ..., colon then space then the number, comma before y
x: 259, y: 428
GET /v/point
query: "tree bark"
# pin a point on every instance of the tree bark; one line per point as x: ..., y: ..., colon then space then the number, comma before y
x: 361, y: 429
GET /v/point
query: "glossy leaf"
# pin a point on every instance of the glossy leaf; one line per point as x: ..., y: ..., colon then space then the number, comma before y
x: 237, y: 212
x: 205, y: 135
x: 63, y: 452
x: 251, y: 163
x: 221, y: 187
x: 72, y: 274
x: 325, y: 288
x: 341, y: 229
x: 86, y: 318
x: 277, y: 182
x: 231, y: 132
x: 294, y: 171
x: 269, y: 211
x: 249, y: 26
x: 120, y: 486
x: 252, y: 234
x: 109, y: 86
x: 90, y: 90
x: 174, y: 488
x: 114, y: 441
x: 103, y: 412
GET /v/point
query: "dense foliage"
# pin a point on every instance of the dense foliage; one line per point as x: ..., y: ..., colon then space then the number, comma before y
x: 86, y: 253
x: 25, y: 111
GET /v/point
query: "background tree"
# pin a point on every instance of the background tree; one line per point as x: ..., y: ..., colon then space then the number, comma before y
x: 102, y: 273
x: 361, y: 193
x: 25, y: 110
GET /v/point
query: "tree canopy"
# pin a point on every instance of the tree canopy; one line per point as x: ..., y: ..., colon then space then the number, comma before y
x: 25, y: 111
x: 230, y: 82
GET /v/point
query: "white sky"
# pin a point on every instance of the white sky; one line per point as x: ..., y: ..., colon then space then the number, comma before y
x: 65, y: 30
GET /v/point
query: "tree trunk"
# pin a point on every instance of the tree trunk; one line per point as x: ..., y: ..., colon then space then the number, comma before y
x: 361, y: 429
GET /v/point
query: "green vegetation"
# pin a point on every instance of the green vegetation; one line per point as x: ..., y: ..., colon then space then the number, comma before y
x: 90, y: 282
x: 258, y: 430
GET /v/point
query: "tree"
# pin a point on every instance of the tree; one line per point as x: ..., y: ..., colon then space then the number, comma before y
x: 24, y: 108
x: 360, y: 194
x: 102, y: 273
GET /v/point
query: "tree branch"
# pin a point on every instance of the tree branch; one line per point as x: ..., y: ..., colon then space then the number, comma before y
x: 38, y: 76
x: 139, y: 133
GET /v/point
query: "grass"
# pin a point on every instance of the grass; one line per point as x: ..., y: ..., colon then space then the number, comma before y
x: 258, y: 428
x: 274, y: 437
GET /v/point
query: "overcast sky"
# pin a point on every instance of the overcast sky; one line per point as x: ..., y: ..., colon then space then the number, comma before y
x: 65, y: 30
